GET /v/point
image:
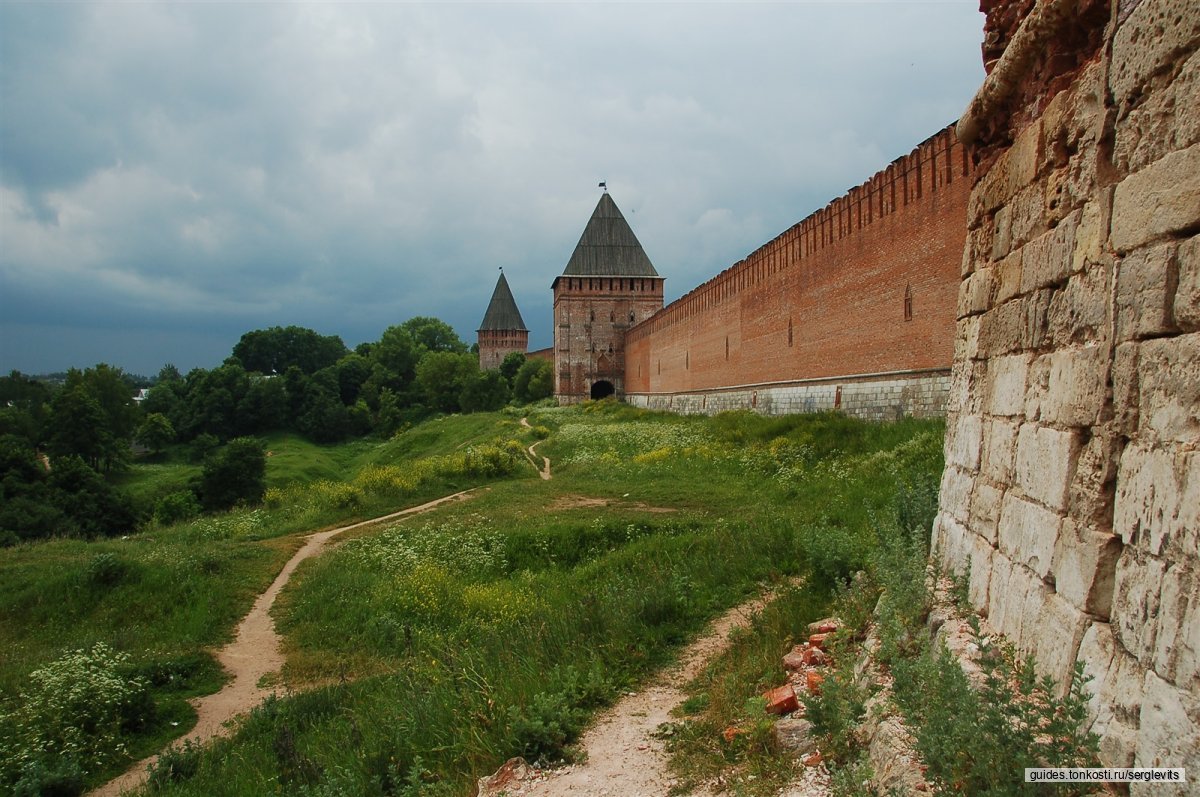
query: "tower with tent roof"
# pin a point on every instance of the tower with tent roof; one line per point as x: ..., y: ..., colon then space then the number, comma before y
x: 608, y: 285
x: 502, y: 330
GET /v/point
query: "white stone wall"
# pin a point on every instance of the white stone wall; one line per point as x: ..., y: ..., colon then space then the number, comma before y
x: 875, y: 397
x: 1071, y: 493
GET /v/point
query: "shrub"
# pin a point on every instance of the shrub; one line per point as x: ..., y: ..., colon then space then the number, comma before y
x: 176, y: 507
x: 77, y: 708
x: 235, y: 474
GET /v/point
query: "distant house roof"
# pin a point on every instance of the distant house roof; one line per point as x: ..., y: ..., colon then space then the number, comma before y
x: 608, y: 247
x: 502, y: 312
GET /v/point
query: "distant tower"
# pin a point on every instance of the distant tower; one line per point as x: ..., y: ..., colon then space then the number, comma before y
x: 502, y: 330
x: 608, y: 286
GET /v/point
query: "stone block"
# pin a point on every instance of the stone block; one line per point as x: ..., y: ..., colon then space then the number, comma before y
x: 1157, y: 503
x: 1028, y: 218
x: 999, y: 456
x: 1177, y: 604
x: 1079, y: 313
x: 1092, y: 234
x: 966, y: 338
x: 985, y: 510
x: 1048, y: 259
x: 1125, y: 388
x: 1001, y: 237
x: 1046, y: 461
x: 1072, y: 123
x: 1027, y: 534
x: 949, y: 543
x: 977, y: 251
x: 1000, y: 329
x: 954, y: 498
x: 999, y: 594
x: 1054, y: 639
x: 1035, y: 318
x: 1006, y: 384
x: 1013, y: 170
x: 1148, y: 43
x: 1135, y: 606
x: 1168, y: 735
x: 968, y: 383
x: 1078, y: 387
x: 981, y: 571
x: 1169, y: 389
x: 1097, y: 650
x: 1115, y: 689
x: 1163, y: 120
x: 1036, y: 386
x: 1160, y: 200
x: 1186, y: 310
x: 1085, y: 567
x: 964, y: 439
x: 1007, y: 273
x: 1091, y: 496
x: 975, y: 293
x: 1146, y: 281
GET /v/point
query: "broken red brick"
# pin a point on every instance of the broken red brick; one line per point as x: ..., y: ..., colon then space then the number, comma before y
x: 818, y: 640
x: 812, y: 759
x: 732, y: 732
x: 781, y: 700
x: 814, y: 682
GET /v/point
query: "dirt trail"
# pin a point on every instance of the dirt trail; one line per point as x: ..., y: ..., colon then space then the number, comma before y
x: 545, y: 471
x: 624, y: 759
x: 254, y: 653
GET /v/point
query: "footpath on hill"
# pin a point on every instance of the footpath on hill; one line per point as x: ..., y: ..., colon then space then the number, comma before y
x: 254, y: 653
x: 623, y: 754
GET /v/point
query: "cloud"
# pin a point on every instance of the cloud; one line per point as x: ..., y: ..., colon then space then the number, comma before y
x: 346, y: 166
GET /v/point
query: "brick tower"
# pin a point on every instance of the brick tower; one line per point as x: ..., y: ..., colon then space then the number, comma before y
x: 608, y: 286
x: 502, y: 330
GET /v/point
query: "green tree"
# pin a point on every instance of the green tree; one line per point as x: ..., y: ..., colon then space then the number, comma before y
x: 485, y: 390
x: 156, y: 432
x: 433, y: 334
x: 110, y: 387
x: 442, y: 375
x: 78, y: 427
x: 94, y: 507
x: 235, y: 474
x: 534, y: 381
x: 274, y: 350
x: 27, y: 510
x: 510, y: 365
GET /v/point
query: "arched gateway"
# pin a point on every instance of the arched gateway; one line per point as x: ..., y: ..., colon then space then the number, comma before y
x: 602, y: 389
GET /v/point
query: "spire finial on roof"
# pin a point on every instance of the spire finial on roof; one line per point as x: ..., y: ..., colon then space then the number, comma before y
x: 604, y: 185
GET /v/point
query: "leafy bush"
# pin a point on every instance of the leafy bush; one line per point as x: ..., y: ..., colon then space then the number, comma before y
x: 78, y: 708
x: 176, y: 507
x: 236, y: 474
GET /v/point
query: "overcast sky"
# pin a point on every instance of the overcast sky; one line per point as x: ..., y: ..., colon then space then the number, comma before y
x: 172, y: 176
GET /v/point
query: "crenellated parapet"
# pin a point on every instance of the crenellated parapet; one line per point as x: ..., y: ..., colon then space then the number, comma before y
x: 936, y: 165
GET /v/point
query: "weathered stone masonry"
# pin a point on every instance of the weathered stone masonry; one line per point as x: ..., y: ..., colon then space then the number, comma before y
x: 1071, y: 493
x: 852, y: 308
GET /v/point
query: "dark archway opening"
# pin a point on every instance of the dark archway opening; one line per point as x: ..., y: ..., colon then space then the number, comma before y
x: 602, y: 389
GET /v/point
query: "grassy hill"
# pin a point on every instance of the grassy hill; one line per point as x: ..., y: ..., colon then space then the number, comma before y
x: 429, y: 651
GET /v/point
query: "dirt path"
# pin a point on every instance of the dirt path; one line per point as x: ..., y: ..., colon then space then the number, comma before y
x: 254, y: 653
x: 624, y: 759
x: 545, y: 471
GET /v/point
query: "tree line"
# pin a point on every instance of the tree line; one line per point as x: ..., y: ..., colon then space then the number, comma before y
x: 58, y: 441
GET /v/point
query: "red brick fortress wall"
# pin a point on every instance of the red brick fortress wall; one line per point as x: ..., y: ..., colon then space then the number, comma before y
x: 867, y: 285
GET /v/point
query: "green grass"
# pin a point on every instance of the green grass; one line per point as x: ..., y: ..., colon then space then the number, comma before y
x: 442, y: 645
